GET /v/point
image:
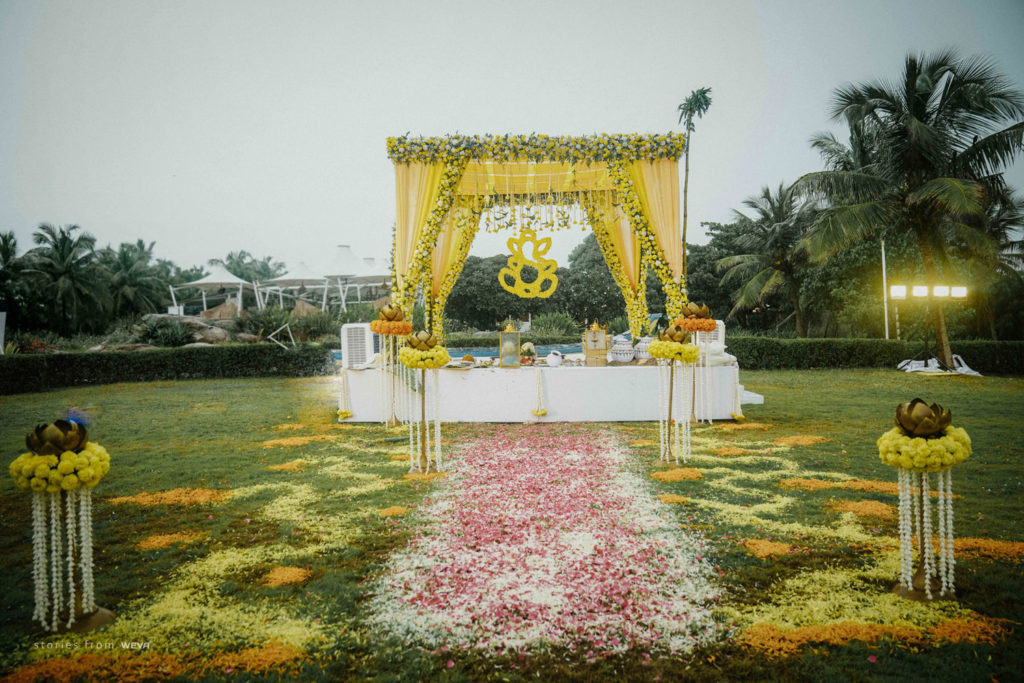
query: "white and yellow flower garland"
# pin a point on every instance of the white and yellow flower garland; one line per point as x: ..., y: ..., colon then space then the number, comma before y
x: 539, y: 410
x: 916, y: 459
x: 429, y: 359
x: 50, y: 477
x: 673, y: 431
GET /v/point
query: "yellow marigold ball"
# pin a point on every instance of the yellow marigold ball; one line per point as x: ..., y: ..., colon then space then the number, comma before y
x: 917, y: 454
x: 66, y: 467
x: 41, y: 470
x: 70, y: 482
x: 37, y: 484
x: 86, y: 475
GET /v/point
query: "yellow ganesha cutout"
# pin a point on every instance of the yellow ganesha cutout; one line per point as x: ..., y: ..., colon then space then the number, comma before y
x: 513, y: 270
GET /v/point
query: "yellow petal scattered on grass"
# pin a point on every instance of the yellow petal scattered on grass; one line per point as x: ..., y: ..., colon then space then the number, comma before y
x: 732, y: 450
x: 257, y: 659
x: 865, y: 508
x: 420, y: 476
x: 799, y: 440
x: 677, y: 474
x: 779, y: 642
x: 175, y: 497
x: 643, y: 442
x: 734, y: 426
x: 319, y: 427
x: 866, y: 485
x: 394, y: 511
x: 148, y: 666
x: 673, y: 499
x: 290, y: 466
x: 158, y: 541
x: 989, y: 549
x: 975, y: 628
x: 283, y: 576
x: 762, y: 548
x: 290, y: 441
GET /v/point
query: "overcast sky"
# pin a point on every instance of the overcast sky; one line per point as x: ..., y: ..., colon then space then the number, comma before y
x: 211, y: 126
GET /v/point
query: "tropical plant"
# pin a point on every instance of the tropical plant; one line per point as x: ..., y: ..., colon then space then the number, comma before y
x: 775, y: 258
x: 163, y: 332
x: 938, y: 138
x: 697, y: 104
x: 246, y: 266
x: 553, y: 324
x: 135, y: 285
x: 64, y: 264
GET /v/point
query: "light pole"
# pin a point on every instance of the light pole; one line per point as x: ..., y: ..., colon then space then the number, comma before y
x: 899, y: 293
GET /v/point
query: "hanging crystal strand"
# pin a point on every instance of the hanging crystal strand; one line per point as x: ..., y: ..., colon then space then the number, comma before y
x: 85, y: 526
x: 686, y: 423
x: 40, y: 579
x: 707, y: 378
x: 941, y: 477
x: 70, y: 500
x: 681, y: 408
x: 926, y: 515
x: 661, y: 410
x: 410, y: 420
x: 915, y: 492
x: 56, y: 580
x: 437, y: 420
x: 904, y: 512
x: 950, y: 560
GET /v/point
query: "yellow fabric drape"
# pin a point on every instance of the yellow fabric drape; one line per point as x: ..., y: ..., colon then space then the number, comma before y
x: 657, y: 187
x: 449, y: 257
x: 526, y: 177
x: 627, y: 246
x: 416, y: 189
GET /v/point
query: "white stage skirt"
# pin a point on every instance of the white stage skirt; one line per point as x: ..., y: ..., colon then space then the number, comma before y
x: 571, y: 394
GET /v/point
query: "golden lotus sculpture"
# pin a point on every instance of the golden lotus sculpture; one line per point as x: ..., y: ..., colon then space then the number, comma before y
x: 392, y: 313
x: 693, y: 310
x: 54, y: 439
x: 422, y: 340
x: 674, y: 333
x: 918, y: 419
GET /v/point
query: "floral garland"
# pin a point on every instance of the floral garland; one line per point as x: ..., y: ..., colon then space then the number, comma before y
x: 697, y: 324
x: 344, y: 406
x: 469, y: 230
x: 395, y: 327
x: 419, y: 264
x: 916, y: 454
x: 431, y: 359
x: 686, y: 353
x: 636, y: 299
x: 556, y: 148
x: 652, y: 254
x: 67, y: 472
x: 539, y: 410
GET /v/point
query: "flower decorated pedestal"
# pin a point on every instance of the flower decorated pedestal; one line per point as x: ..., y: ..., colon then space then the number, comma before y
x: 390, y: 325
x: 697, y: 318
x: 673, y: 349
x: 923, y: 443
x: 423, y: 353
x: 60, y: 470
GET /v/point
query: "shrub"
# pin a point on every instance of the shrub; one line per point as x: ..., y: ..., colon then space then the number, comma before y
x: 460, y: 341
x: 618, y: 325
x: 261, y: 322
x: 24, y: 373
x: 357, y: 313
x: 314, y: 325
x: 163, y: 332
x: 554, y: 324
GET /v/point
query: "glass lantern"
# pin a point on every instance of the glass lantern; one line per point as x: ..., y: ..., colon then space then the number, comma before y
x: 595, y: 345
x: 508, y: 348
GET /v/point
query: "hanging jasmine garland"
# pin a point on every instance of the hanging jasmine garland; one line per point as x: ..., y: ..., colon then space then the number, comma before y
x: 424, y: 353
x: 924, y: 442
x: 672, y: 348
x: 60, y: 470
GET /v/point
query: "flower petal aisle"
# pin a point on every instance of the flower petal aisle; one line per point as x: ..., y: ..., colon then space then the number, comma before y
x: 543, y: 537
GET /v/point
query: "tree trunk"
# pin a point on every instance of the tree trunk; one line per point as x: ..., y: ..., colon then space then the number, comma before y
x: 798, y: 313
x: 945, y: 354
x: 686, y: 185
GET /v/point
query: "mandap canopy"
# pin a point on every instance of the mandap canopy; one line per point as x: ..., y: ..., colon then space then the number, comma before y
x: 627, y: 187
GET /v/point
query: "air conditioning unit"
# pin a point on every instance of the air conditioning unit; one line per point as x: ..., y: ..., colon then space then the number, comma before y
x: 358, y: 345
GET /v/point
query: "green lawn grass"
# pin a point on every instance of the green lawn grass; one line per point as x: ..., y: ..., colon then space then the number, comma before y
x: 203, y: 606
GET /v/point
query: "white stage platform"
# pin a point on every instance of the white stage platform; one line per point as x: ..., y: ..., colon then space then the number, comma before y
x: 571, y: 394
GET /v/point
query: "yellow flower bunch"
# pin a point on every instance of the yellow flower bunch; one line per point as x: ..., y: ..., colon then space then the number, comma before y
x: 344, y: 414
x: 652, y: 254
x: 68, y: 471
x: 924, y: 455
x: 428, y: 360
x: 420, y: 263
x: 636, y: 300
x: 560, y: 148
x: 687, y: 353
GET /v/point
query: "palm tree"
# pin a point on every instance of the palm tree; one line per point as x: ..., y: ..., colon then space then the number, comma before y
x: 938, y: 138
x: 697, y: 104
x: 65, y: 265
x: 12, y: 286
x: 775, y: 258
x: 135, y: 285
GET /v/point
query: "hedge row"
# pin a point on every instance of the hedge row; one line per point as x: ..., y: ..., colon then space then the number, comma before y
x: 25, y: 373
x: 766, y: 353
x: 464, y: 341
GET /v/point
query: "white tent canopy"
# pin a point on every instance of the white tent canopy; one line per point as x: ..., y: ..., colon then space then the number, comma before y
x: 299, y: 277
x: 219, y: 278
